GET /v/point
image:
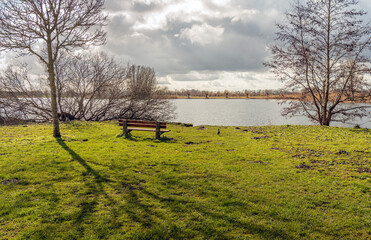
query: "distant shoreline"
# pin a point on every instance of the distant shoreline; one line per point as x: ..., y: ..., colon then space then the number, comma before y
x: 271, y: 97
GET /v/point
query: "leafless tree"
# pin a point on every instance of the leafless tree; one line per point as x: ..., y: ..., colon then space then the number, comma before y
x: 321, y: 49
x: 141, y: 82
x: 46, y: 27
x: 90, y: 87
x: 358, y: 88
x: 144, y: 102
x: 246, y: 93
x: 206, y: 94
x: 23, y: 96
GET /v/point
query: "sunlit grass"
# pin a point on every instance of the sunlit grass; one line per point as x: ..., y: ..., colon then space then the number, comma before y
x: 284, y: 182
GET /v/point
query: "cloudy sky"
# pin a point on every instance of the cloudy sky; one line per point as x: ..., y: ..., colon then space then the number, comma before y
x: 201, y: 44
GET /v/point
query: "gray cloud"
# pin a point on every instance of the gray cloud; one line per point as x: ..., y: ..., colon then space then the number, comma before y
x: 182, y: 37
x: 241, y: 46
x: 194, y: 41
x: 196, y: 76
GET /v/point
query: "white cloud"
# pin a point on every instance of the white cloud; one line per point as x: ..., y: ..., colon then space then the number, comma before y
x: 140, y: 36
x: 202, y: 34
x: 220, y: 2
x: 188, y: 11
x: 184, y: 10
x: 221, y: 80
x: 152, y: 22
x: 243, y: 15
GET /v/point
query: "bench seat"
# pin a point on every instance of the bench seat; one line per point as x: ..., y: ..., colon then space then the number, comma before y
x: 129, y: 125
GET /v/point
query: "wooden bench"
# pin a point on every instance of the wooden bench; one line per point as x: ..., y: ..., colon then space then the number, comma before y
x: 137, y: 125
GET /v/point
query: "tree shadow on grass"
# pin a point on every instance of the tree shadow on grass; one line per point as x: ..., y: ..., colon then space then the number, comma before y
x: 175, y: 208
x: 205, y: 223
x: 167, y: 139
x: 76, y: 157
x: 94, y: 189
x: 93, y: 197
x: 137, y: 202
x: 130, y: 137
x: 207, y: 216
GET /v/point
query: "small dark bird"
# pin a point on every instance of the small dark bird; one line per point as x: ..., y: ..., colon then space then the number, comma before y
x: 218, y: 132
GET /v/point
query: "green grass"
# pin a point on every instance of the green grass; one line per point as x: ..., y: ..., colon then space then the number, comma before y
x: 284, y: 182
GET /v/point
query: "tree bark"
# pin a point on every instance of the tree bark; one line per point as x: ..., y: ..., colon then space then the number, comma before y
x: 54, y: 108
x: 325, y: 120
x: 53, y: 89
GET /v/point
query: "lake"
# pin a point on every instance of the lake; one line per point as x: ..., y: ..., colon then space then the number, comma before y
x: 241, y: 112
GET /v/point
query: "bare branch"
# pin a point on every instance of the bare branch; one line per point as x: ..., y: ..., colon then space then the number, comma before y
x: 320, y: 51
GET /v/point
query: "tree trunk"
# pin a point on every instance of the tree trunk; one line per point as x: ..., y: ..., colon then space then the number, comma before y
x: 54, y: 108
x: 328, y: 120
x: 53, y: 89
x: 325, y: 119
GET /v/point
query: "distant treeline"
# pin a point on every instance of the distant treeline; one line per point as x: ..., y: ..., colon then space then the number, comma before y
x: 194, y: 93
x: 165, y: 93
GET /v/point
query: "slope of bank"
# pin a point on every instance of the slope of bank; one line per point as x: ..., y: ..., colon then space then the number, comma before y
x: 277, y: 182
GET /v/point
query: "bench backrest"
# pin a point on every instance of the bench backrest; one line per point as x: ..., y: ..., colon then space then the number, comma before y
x: 141, y: 124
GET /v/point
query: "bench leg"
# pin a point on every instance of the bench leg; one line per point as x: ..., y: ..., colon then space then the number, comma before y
x: 125, y: 128
x: 158, y: 131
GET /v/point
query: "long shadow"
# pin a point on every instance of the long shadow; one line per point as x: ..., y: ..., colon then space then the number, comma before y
x: 147, y: 139
x: 76, y: 157
x: 141, y: 212
x: 88, y: 205
x: 253, y: 228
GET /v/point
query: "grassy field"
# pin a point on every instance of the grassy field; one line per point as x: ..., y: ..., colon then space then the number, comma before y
x: 285, y: 182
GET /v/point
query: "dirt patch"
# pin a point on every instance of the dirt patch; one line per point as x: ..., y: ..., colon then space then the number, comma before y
x: 202, y: 128
x: 303, y: 166
x: 13, y: 180
x: 261, y: 162
x: 359, y: 151
x: 342, y: 152
x: 259, y: 132
x: 318, y: 161
x: 364, y: 170
x: 263, y: 137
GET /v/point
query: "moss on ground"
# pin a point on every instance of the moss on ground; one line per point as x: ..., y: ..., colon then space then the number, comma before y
x: 275, y: 182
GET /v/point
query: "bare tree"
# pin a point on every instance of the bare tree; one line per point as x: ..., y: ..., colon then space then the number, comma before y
x: 321, y: 50
x: 23, y: 97
x: 144, y: 102
x: 141, y: 82
x: 45, y: 27
x: 90, y: 87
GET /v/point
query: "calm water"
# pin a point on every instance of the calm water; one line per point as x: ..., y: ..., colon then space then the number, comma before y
x: 240, y: 112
